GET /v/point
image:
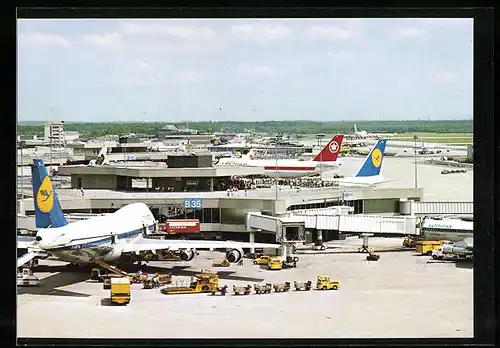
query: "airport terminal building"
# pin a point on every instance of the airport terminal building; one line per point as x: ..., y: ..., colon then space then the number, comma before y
x: 200, y: 193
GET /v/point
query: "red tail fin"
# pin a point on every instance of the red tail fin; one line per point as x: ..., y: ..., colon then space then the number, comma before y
x: 331, y: 151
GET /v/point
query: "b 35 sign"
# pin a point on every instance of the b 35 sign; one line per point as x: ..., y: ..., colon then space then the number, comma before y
x: 192, y: 203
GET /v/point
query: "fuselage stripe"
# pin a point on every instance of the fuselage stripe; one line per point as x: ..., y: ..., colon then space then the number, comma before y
x: 94, y: 243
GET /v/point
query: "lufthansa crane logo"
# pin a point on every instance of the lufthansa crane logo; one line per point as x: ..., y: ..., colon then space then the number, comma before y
x: 45, y: 196
x: 333, y: 147
x: 376, y: 158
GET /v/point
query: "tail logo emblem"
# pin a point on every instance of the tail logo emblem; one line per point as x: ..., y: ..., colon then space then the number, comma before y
x: 45, y: 196
x: 333, y: 147
x: 376, y: 158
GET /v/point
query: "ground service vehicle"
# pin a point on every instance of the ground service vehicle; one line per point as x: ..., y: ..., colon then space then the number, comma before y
x: 223, y: 263
x: 95, y: 275
x: 120, y: 290
x: 202, y: 282
x: 281, y: 287
x: 291, y: 261
x: 27, y: 278
x: 302, y: 286
x: 325, y: 283
x: 107, y: 281
x: 139, y: 277
x: 262, y: 260
x: 275, y: 263
x: 222, y: 291
x: 318, y: 245
x: 150, y: 284
x: 372, y: 256
x: 107, y: 284
x: 425, y: 247
x: 409, y: 242
x: 439, y: 255
x: 262, y: 289
x: 242, y: 290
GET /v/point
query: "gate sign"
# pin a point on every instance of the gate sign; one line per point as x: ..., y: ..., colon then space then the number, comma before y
x: 192, y: 203
x: 183, y: 226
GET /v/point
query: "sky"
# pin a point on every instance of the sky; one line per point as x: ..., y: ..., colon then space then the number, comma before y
x: 244, y: 70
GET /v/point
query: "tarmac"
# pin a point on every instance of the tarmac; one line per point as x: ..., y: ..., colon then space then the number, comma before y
x: 403, y: 295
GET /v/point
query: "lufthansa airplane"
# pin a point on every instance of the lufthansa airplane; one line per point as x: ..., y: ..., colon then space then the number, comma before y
x: 369, y: 172
x: 109, y: 237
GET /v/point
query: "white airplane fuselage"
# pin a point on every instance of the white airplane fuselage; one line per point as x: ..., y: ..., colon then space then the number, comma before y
x: 100, y: 237
x: 284, y: 168
x: 360, y: 181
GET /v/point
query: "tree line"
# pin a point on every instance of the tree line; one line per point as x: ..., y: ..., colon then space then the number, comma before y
x: 88, y: 130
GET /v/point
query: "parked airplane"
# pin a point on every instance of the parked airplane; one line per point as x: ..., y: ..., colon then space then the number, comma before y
x: 109, y: 237
x: 159, y: 146
x: 364, y: 134
x: 359, y: 134
x: 287, y: 168
x: 369, y: 172
x: 450, y: 229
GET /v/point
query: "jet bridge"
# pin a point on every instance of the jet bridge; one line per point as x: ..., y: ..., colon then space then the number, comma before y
x: 286, y: 228
x: 397, y: 225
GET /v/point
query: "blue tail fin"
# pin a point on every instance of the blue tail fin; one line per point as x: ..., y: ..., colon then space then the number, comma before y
x: 48, y: 212
x: 373, y: 163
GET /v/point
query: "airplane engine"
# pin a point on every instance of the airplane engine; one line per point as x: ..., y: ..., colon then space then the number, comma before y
x: 188, y: 255
x: 234, y: 255
x: 113, y: 255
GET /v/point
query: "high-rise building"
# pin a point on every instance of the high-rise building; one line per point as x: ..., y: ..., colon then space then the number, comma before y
x: 54, y: 133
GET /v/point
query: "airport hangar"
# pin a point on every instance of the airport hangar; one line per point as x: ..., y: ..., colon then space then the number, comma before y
x: 221, y: 214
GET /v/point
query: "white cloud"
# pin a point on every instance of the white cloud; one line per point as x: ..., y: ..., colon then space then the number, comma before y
x: 188, y: 33
x: 445, y: 77
x: 256, y: 70
x: 109, y: 40
x: 328, y: 32
x: 40, y: 39
x: 410, y: 33
x: 261, y: 31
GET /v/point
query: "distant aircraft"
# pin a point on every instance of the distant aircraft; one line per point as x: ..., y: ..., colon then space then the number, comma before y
x: 108, y: 237
x: 359, y: 134
x: 326, y: 159
x: 369, y: 172
x: 218, y: 141
x: 364, y: 134
x: 101, y: 158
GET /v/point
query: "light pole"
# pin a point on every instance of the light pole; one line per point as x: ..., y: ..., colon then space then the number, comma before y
x: 276, y: 157
x: 319, y: 137
x: 21, y: 144
x: 415, y: 151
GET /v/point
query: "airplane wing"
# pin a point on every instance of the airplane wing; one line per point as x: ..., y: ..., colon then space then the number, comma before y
x: 26, y: 258
x: 146, y: 244
x: 24, y: 242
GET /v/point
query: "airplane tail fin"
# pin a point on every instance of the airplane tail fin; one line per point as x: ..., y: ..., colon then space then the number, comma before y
x: 373, y: 162
x: 101, y: 158
x: 331, y: 151
x: 355, y: 128
x: 48, y: 212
